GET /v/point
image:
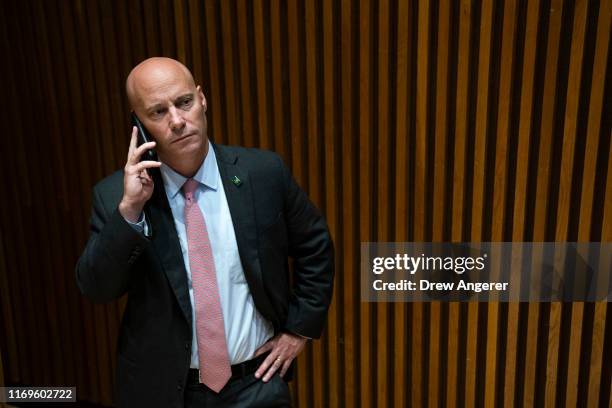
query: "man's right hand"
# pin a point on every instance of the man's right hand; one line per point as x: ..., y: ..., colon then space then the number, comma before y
x: 137, y: 183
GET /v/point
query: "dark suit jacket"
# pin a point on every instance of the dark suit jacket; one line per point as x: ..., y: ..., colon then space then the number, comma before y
x: 273, y: 220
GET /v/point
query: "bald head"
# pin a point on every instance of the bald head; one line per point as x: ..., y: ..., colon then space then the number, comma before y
x: 153, y: 73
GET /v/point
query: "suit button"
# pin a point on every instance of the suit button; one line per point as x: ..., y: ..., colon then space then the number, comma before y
x: 179, y: 388
x: 186, y: 346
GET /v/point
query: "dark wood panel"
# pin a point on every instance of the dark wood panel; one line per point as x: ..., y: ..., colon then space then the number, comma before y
x: 403, y: 120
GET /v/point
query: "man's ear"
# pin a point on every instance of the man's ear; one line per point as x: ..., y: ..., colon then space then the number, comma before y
x: 199, y: 89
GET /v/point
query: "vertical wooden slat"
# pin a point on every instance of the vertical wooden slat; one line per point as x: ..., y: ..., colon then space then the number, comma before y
x: 278, y: 102
x: 400, y: 381
x: 7, y: 312
x: 459, y: 180
x: 1, y: 373
x: 420, y: 182
x: 215, y: 95
x: 349, y: 230
x: 151, y: 22
x: 461, y: 120
x: 165, y: 26
x: 610, y: 399
x: 231, y: 97
x: 181, y: 31
x: 553, y: 348
x: 249, y: 129
x: 606, y: 233
x: 482, y: 102
x: 295, y: 90
x: 533, y: 316
x: 453, y: 347
x: 366, y: 365
x: 312, y: 106
x: 440, y: 159
x: 134, y: 23
x: 260, y: 66
x: 382, y: 193
x: 195, y: 34
x: 421, y: 120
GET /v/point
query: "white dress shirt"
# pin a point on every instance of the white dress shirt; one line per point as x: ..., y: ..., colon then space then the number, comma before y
x: 245, y: 328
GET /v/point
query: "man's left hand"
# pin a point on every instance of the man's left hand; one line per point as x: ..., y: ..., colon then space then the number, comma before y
x: 283, y: 347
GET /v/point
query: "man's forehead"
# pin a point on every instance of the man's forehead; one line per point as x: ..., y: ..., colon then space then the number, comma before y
x: 158, y: 79
x: 151, y: 97
x: 155, y: 92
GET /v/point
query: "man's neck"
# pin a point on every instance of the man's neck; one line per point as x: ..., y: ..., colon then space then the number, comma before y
x: 188, y: 166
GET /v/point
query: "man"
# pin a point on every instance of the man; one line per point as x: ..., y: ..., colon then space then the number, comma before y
x: 199, y: 241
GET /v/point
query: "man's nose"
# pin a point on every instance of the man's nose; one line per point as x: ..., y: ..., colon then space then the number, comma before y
x: 176, y: 120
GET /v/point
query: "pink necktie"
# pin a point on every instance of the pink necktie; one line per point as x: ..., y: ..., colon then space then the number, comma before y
x: 215, y: 369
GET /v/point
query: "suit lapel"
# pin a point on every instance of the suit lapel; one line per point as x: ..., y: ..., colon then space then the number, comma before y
x: 167, y: 246
x: 239, y: 194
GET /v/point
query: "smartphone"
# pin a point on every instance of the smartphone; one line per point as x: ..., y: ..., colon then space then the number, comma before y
x: 143, y: 137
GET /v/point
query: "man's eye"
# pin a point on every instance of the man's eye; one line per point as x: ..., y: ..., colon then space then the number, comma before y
x: 186, y: 103
x: 157, y: 113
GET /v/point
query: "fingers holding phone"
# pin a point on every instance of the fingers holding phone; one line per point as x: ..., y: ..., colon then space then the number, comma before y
x: 137, y: 182
x: 136, y: 157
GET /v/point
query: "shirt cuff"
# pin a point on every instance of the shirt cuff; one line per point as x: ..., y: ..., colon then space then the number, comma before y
x: 140, y: 226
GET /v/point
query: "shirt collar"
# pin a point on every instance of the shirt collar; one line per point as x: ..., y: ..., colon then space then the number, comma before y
x: 207, y: 174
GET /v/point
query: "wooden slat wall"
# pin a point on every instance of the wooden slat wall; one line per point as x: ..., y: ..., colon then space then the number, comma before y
x: 442, y: 120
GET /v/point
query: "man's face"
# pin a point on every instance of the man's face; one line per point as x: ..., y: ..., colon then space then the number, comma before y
x: 173, y: 110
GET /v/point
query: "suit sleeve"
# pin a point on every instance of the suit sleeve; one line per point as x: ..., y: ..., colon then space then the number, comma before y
x: 311, y: 248
x: 103, y: 271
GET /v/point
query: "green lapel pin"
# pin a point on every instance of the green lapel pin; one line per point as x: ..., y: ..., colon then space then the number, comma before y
x: 236, y: 181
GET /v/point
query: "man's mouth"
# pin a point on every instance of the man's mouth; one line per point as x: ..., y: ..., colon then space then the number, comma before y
x: 183, y: 137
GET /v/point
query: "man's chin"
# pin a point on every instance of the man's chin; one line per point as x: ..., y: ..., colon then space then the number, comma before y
x: 188, y: 147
